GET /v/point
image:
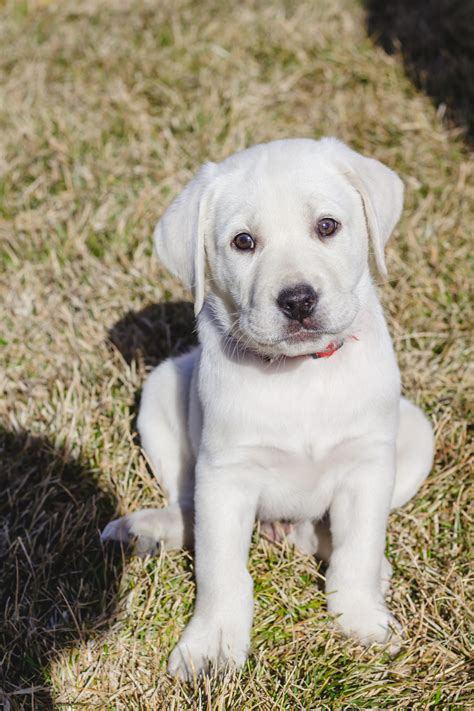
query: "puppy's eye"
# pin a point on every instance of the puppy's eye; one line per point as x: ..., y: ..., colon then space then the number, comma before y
x: 327, y: 227
x: 244, y: 242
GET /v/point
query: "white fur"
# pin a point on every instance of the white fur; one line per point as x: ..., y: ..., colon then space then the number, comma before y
x: 247, y: 425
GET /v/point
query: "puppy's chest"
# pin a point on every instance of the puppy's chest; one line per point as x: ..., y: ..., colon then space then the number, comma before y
x: 307, y: 412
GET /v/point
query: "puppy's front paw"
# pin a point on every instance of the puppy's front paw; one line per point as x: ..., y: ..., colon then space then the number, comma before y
x: 365, y: 619
x: 205, y: 645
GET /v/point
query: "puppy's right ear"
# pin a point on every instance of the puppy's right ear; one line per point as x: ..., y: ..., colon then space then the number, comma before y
x: 179, y: 236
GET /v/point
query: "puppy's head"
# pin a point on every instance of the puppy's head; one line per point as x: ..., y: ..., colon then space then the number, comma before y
x: 276, y: 237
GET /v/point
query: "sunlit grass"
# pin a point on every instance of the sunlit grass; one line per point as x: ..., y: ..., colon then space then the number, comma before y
x: 107, y: 108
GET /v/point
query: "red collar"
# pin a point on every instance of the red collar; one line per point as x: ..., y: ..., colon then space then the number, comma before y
x: 331, y: 348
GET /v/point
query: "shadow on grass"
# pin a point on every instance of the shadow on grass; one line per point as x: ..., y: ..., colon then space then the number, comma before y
x: 436, y: 40
x: 58, y: 585
x: 156, y: 332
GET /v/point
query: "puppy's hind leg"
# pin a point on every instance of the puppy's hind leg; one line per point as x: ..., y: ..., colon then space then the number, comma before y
x: 415, y: 450
x: 163, y: 427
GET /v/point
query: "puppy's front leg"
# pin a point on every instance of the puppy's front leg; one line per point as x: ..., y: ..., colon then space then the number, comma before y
x: 219, y: 631
x: 358, y: 515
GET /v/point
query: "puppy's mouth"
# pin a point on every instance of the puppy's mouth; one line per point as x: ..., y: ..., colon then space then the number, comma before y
x: 307, y: 330
x: 300, y: 338
x: 303, y: 335
x: 295, y: 341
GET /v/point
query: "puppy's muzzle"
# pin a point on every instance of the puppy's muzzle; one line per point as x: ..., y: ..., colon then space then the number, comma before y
x: 298, y: 302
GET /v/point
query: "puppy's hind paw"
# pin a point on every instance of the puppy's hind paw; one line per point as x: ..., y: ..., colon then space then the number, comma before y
x: 145, y: 530
x: 126, y: 530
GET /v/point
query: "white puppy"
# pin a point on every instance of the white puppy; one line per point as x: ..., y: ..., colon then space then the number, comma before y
x: 290, y: 407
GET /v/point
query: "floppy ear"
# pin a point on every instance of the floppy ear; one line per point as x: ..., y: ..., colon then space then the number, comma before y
x: 381, y: 191
x: 179, y: 236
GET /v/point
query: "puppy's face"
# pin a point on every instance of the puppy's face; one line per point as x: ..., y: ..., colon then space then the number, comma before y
x: 286, y: 251
x: 280, y: 243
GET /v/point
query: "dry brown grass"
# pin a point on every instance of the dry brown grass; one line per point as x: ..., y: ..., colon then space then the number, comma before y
x: 107, y: 108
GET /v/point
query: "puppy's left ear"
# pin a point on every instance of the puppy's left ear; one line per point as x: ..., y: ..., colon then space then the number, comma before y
x: 381, y: 191
x: 179, y: 236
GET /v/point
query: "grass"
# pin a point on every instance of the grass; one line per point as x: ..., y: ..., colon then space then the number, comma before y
x: 107, y: 109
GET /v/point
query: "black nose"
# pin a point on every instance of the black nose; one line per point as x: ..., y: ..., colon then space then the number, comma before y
x: 297, y: 302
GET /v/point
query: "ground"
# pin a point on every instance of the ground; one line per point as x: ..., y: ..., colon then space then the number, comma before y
x: 107, y: 108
